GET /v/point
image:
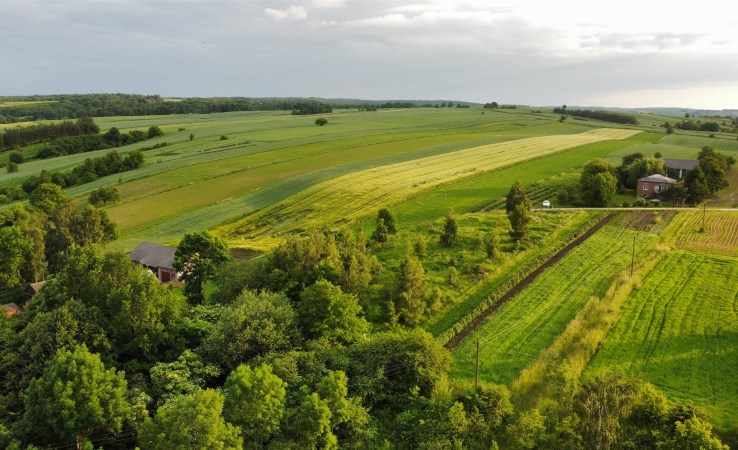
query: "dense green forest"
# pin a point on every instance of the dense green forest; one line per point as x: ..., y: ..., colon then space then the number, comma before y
x: 607, y: 116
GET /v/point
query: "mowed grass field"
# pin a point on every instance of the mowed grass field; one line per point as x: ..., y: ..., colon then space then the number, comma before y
x: 515, y: 335
x: 351, y: 196
x: 719, y: 236
x: 679, y: 331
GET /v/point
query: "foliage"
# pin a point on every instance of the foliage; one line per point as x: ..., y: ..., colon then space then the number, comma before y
x: 385, y: 369
x: 193, y: 421
x: 320, y: 121
x: 516, y: 196
x: 104, y: 195
x: 13, y: 245
x: 22, y: 136
x: 255, y: 402
x: 450, y: 230
x: 74, y: 398
x: 257, y: 324
x: 325, y: 312
x: 184, y: 376
x: 607, y: 116
x: 197, y: 257
x: 492, y: 245
x: 16, y: 157
x: 47, y: 197
x: 519, y: 220
x: 597, y: 183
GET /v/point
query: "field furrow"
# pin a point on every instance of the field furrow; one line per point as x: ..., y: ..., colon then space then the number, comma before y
x: 515, y: 335
x: 679, y: 330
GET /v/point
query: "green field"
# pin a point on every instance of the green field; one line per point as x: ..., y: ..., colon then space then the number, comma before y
x: 679, y: 331
x: 351, y: 196
x: 515, y: 335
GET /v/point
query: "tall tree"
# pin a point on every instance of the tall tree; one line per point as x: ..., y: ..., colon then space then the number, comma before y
x: 75, y: 398
x: 516, y: 196
x: 47, y: 197
x: 255, y: 402
x: 450, y: 230
x: 256, y: 325
x: 597, y: 182
x: 197, y: 257
x: 519, y: 220
x: 389, y: 220
x: 327, y: 312
x: 191, y: 422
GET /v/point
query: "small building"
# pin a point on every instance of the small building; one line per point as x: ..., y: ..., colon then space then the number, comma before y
x: 10, y: 309
x: 32, y: 289
x: 678, y: 168
x: 653, y: 185
x: 157, y: 258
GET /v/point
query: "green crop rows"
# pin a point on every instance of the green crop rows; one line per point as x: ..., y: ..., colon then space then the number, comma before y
x: 528, y: 323
x: 679, y: 331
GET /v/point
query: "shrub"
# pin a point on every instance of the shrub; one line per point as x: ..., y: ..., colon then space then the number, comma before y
x: 16, y: 157
x: 223, y: 137
x: 12, y: 167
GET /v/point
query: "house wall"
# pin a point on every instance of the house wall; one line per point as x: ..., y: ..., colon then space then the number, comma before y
x: 650, y: 189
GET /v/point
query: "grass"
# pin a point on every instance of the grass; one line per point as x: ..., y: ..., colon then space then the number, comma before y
x: 516, y: 334
x: 680, y: 332
x: 349, y: 197
x: 720, y: 233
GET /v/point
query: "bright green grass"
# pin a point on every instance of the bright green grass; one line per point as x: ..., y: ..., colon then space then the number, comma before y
x: 472, y: 193
x: 546, y: 231
x: 515, y: 335
x: 679, y: 331
x: 697, y: 142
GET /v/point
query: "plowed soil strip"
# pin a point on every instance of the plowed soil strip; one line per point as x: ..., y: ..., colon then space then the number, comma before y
x: 476, y: 323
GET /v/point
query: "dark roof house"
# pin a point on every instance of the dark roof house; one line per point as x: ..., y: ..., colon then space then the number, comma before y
x: 679, y: 167
x: 33, y: 289
x: 652, y: 185
x: 157, y: 258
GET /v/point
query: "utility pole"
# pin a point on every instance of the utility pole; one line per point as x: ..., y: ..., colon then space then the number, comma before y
x: 476, y: 376
x: 633, y: 257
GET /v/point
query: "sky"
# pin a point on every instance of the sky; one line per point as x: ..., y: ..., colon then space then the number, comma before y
x: 589, y: 53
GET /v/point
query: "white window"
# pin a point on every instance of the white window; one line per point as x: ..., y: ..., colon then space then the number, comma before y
x: 645, y: 186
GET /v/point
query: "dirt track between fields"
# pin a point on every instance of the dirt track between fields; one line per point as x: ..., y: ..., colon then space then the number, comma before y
x: 515, y: 290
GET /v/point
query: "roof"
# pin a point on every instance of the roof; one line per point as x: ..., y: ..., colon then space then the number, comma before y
x: 658, y: 179
x: 36, y: 287
x: 684, y: 164
x: 10, y: 309
x: 153, y: 255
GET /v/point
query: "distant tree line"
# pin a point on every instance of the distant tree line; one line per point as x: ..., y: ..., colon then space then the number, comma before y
x: 81, y: 144
x: 696, y: 126
x: 495, y: 105
x: 22, y: 136
x: 91, y: 170
x: 311, y: 107
x: 105, y: 105
x: 607, y: 116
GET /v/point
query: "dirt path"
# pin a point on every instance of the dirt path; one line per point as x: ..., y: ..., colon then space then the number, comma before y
x: 456, y: 340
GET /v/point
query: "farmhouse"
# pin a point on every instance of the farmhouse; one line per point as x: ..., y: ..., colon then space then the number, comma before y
x: 10, y: 309
x: 32, y: 289
x: 652, y: 185
x: 679, y: 167
x: 157, y: 258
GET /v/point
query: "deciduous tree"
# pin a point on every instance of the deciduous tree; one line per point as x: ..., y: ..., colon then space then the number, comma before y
x: 194, y: 422
x: 196, y: 258
x: 75, y: 398
x: 255, y: 402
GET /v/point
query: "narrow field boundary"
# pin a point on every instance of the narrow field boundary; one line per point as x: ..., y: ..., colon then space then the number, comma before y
x: 516, y: 289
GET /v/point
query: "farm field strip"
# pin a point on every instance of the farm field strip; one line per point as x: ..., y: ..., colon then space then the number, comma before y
x: 515, y: 335
x: 466, y: 194
x: 719, y: 236
x: 679, y: 331
x: 344, y: 197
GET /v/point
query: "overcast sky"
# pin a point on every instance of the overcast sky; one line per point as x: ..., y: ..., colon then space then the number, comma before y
x: 609, y: 53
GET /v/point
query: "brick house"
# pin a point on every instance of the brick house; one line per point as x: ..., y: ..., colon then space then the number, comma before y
x: 652, y: 185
